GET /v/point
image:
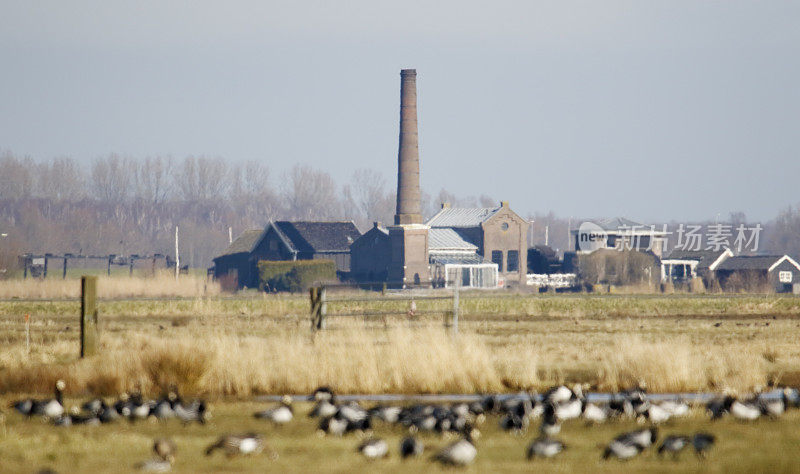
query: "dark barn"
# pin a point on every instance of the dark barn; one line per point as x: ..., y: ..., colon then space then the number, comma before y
x: 371, y: 255
x: 776, y: 273
x: 285, y: 240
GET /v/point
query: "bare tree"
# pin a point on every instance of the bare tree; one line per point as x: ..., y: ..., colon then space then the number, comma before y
x: 202, y: 178
x: 152, y: 179
x: 15, y: 177
x: 784, y: 232
x: 112, y: 177
x: 369, y: 197
x: 310, y: 194
x: 61, y: 179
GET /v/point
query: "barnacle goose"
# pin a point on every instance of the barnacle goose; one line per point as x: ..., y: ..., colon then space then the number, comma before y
x: 374, y: 448
x: 280, y: 414
x: 461, y: 452
x: 544, y: 447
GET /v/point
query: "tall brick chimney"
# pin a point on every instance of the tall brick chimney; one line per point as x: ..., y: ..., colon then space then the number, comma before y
x: 408, y: 194
x: 408, y: 236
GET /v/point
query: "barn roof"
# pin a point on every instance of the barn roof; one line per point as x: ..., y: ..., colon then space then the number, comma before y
x: 462, y: 216
x: 749, y: 262
x: 457, y: 259
x: 244, y: 243
x: 448, y: 239
x: 616, y: 223
x: 703, y: 257
x: 305, y: 236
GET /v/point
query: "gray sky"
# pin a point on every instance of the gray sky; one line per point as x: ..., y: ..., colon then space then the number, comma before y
x: 652, y: 110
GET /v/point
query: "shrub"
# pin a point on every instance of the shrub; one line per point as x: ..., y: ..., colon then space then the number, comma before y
x: 294, y: 275
x: 180, y: 366
x: 619, y: 267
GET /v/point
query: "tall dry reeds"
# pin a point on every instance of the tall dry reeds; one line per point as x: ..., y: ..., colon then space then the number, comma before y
x: 353, y: 360
x: 359, y: 360
x: 677, y: 365
x: 160, y: 285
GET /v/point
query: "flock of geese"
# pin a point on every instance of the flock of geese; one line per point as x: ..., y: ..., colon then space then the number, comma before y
x: 130, y: 406
x: 515, y: 414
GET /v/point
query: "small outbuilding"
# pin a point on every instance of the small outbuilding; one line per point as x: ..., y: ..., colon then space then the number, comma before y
x: 683, y: 265
x: 370, y: 255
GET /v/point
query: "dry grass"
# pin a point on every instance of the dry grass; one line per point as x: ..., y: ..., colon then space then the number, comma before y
x: 357, y: 360
x: 161, y: 285
x: 240, y: 347
x: 677, y: 365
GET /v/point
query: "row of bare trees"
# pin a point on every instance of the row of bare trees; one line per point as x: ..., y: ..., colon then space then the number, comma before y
x: 117, y: 204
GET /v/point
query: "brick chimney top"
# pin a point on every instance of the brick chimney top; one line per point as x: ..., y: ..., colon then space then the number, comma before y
x: 408, y: 192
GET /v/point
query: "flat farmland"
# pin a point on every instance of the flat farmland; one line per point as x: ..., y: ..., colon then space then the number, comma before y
x: 30, y: 445
x: 230, y: 349
x: 238, y: 347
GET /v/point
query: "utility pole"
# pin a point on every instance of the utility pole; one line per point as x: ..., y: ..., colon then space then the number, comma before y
x: 230, y: 235
x: 177, y: 255
x: 530, y: 233
x: 546, y: 235
x: 3, y: 270
x: 569, y: 238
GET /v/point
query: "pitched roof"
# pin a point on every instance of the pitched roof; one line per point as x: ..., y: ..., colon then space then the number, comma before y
x: 446, y: 238
x: 304, y: 236
x: 244, y: 243
x: 462, y: 216
x: 616, y: 223
x: 703, y: 257
x: 749, y: 262
x: 457, y: 259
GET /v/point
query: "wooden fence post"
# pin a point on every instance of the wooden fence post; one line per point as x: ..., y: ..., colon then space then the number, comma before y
x: 88, y: 315
x: 323, y: 307
x: 313, y: 294
x: 28, y: 333
x: 455, y: 305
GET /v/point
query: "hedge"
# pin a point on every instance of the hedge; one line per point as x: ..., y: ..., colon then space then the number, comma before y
x: 294, y: 275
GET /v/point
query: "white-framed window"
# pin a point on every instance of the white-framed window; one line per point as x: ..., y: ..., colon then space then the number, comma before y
x: 785, y: 277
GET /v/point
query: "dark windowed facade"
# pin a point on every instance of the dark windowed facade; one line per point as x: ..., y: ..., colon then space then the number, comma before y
x: 497, y: 257
x: 513, y: 261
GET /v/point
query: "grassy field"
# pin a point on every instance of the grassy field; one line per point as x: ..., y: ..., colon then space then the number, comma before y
x: 230, y: 348
x: 223, y: 346
x: 162, y: 284
x: 29, y: 445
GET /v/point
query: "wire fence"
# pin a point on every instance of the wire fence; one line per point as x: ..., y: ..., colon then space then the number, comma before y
x: 339, y: 301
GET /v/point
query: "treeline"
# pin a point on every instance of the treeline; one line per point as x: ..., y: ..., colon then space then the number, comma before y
x: 121, y: 205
